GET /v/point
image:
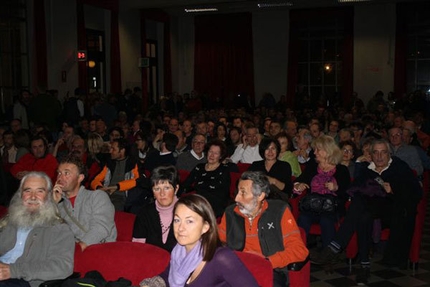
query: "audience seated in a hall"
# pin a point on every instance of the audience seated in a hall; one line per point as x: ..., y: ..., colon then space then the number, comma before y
x: 89, y: 213
x: 164, y: 156
x: 190, y: 159
x: 211, y: 179
x: 153, y: 223
x: 278, y: 172
x: 38, y: 159
x: 248, y: 151
x: 387, y: 190
x: 118, y: 177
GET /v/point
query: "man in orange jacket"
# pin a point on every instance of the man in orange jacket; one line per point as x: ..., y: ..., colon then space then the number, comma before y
x: 118, y: 176
x: 263, y: 227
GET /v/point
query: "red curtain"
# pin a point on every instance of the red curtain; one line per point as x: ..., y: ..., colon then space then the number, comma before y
x: 40, y: 44
x: 224, y: 56
x: 158, y: 16
x: 297, y: 19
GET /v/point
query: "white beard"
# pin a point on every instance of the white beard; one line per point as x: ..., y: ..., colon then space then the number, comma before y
x: 20, y: 216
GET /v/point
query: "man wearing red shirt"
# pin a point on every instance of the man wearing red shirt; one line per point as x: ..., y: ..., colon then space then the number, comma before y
x: 38, y: 159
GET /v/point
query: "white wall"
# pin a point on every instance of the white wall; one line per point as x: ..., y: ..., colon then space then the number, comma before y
x: 374, y: 40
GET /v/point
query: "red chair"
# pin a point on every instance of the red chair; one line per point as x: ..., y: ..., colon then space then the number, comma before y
x: 124, y: 222
x: 234, y: 177
x: 263, y: 271
x: 259, y: 267
x: 183, y: 175
x: 3, y: 211
x: 131, y: 260
x: 243, y: 167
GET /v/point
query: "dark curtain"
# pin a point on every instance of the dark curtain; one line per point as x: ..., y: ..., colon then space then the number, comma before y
x: 297, y: 20
x: 82, y: 45
x: 158, y: 16
x: 115, y: 57
x: 40, y: 44
x: 224, y: 56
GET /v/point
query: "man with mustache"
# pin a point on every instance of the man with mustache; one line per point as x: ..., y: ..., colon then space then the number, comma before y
x: 263, y: 227
x: 35, y: 244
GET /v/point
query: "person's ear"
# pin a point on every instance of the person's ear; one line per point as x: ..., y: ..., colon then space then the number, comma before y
x: 81, y: 177
x: 176, y: 188
x: 206, y: 227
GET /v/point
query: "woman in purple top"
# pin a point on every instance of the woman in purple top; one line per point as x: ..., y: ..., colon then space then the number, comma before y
x: 199, y: 258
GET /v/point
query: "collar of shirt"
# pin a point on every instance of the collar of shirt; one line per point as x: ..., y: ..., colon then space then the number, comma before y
x: 196, y: 156
x: 372, y: 166
x: 164, y: 153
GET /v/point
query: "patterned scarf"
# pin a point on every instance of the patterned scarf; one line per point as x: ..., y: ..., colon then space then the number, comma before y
x: 318, y: 181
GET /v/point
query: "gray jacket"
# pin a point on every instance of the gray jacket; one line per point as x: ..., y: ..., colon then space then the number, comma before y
x: 95, y: 213
x: 48, y: 253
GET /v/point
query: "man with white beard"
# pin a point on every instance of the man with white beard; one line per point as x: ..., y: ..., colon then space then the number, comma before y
x: 35, y: 244
x: 263, y: 227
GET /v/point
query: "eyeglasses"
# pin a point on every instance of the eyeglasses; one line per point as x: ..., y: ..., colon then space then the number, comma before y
x: 198, y: 142
x: 347, y: 150
x: 164, y: 188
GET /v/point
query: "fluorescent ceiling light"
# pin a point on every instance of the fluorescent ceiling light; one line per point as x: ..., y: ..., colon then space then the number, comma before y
x: 349, y: 1
x: 194, y: 10
x: 270, y: 5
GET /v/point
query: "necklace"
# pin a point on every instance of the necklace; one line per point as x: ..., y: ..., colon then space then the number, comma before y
x: 164, y: 229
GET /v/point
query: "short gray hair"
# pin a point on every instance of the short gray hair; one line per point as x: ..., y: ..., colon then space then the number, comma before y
x: 260, y: 182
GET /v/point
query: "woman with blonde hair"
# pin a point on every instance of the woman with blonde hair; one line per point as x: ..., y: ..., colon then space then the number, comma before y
x: 326, y: 179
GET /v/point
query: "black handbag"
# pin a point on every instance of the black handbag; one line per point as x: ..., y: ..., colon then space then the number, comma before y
x: 318, y: 203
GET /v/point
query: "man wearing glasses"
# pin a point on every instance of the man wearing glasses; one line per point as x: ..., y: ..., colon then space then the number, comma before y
x: 188, y: 160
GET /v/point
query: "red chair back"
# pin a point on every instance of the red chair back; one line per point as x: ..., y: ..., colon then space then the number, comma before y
x: 131, y: 260
x: 259, y: 267
x: 183, y: 175
x: 234, y: 177
x: 3, y: 211
x: 124, y: 222
x: 243, y: 167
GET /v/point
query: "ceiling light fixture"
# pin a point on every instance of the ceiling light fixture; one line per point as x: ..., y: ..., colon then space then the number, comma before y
x: 195, y: 10
x: 271, y: 5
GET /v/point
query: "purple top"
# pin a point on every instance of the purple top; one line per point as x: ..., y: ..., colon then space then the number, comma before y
x: 225, y: 269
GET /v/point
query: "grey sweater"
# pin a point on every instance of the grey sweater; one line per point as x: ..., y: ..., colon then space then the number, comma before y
x: 95, y: 213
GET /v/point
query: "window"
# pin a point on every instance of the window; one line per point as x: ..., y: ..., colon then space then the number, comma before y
x: 418, y: 50
x: 320, y: 58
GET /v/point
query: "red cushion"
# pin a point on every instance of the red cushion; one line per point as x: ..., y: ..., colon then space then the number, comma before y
x: 131, y: 260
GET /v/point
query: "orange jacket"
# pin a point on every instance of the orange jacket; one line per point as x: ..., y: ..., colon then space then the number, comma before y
x: 295, y: 250
x: 103, y: 178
